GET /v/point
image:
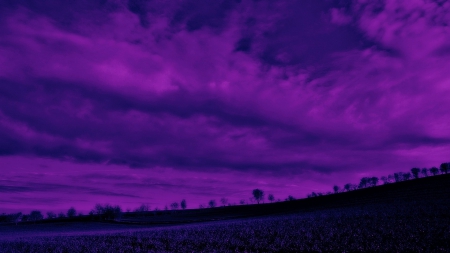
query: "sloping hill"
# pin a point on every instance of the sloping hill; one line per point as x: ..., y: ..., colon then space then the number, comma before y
x: 423, y: 191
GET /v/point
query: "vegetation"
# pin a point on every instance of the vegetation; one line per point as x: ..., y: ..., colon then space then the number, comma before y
x: 400, y: 227
x: 258, y: 195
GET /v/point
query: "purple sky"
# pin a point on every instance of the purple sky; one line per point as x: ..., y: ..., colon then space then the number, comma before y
x: 130, y: 102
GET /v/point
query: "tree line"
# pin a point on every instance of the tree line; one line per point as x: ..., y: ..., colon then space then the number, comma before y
x: 366, y: 182
x: 109, y: 212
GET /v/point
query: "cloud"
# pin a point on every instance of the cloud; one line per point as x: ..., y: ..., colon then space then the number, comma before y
x: 246, y: 86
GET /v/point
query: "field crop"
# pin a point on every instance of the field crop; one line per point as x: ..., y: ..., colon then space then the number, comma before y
x: 400, y: 227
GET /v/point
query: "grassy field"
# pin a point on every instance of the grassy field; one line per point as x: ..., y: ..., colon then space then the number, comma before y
x: 411, y: 216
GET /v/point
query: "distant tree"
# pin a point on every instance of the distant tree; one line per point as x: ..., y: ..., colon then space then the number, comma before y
x: 373, y: 181
x: 142, y: 208
x: 391, y: 178
x: 71, y: 212
x: 444, y: 168
x: 415, y: 172
x: 35, y: 216
x: 212, y: 203
x: 406, y: 176
x: 271, y: 198
x: 242, y: 202
x: 183, y: 204
x: 434, y: 171
x: 347, y: 187
x: 258, y: 195
x: 384, y: 179
x: 14, y: 217
x: 336, y: 189
x: 290, y: 198
x: 398, y: 177
x: 61, y: 215
x: 51, y: 215
x: 201, y: 206
x: 424, y: 172
x: 224, y: 201
x: 363, y: 182
x: 174, y: 206
x: 108, y: 212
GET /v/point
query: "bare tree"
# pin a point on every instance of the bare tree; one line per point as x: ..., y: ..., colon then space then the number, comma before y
x: 363, y: 182
x: 107, y: 212
x: 415, y: 172
x: 406, y: 176
x: 51, y: 215
x: 398, y: 177
x: 336, y: 189
x: 142, y: 208
x: 212, y: 203
x: 35, y: 216
x: 183, y: 204
x: 347, y: 187
x: 290, y: 198
x: 174, y: 206
x: 224, y: 201
x: 434, y: 171
x: 444, y: 168
x: 258, y: 195
x: 391, y: 178
x: 424, y: 172
x: 271, y: 198
x: 373, y: 181
x: 71, y: 212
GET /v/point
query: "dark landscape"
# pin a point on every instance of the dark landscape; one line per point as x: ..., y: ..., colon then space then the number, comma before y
x: 408, y: 216
x: 224, y: 126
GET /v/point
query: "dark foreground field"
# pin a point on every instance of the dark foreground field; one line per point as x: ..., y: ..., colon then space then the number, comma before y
x: 412, y: 216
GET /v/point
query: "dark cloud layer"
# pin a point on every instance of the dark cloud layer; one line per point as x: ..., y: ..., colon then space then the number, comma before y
x: 245, y: 86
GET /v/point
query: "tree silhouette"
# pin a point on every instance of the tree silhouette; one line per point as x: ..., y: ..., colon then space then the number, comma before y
x: 406, y: 176
x: 424, y: 172
x: 212, y: 203
x: 71, y: 212
x: 290, y: 198
x: 61, y: 215
x: 107, y: 211
x: 347, y: 187
x: 224, y: 201
x: 415, y: 172
x: 336, y: 189
x: 444, y: 168
x: 51, y: 215
x: 271, y: 198
x: 363, y: 182
x: 398, y: 177
x: 434, y: 171
x: 242, y: 202
x: 183, y: 204
x: 174, y: 206
x: 384, y: 179
x: 35, y: 216
x: 373, y: 181
x: 258, y: 195
x: 391, y: 178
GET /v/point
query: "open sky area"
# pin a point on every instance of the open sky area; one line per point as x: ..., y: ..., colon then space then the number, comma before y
x: 133, y: 101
